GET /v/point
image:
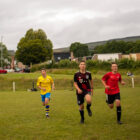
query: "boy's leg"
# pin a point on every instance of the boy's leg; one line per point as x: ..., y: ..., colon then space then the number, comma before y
x: 80, y: 101
x: 110, y: 100
x: 47, y: 106
x: 118, y: 109
x: 81, y: 110
x: 88, y: 100
x: 111, y: 105
x: 43, y: 99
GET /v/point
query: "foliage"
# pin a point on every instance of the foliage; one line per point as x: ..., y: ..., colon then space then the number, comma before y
x: 34, y: 47
x: 79, y: 49
x: 5, y: 55
x: 91, y: 65
x: 118, y: 47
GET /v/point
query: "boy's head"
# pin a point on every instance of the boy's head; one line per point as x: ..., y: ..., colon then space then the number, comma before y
x: 43, y: 71
x: 114, y: 67
x: 82, y: 65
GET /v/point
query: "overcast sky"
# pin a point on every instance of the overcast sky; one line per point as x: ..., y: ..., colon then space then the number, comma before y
x: 68, y: 21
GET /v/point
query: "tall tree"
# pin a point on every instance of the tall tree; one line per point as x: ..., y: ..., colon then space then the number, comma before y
x: 6, y: 59
x: 79, y: 49
x: 34, y: 47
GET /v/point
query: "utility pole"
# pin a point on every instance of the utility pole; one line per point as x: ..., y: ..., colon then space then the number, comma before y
x: 1, y: 52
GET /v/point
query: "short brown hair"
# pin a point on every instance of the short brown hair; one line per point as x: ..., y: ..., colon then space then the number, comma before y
x: 43, y: 69
x: 82, y: 61
x: 114, y: 63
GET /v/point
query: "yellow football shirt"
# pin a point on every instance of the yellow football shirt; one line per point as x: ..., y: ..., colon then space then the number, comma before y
x: 45, y: 83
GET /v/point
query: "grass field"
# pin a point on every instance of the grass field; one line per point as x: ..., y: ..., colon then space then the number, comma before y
x: 22, y: 117
x: 62, y: 81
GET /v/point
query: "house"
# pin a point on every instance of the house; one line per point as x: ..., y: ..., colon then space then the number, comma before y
x: 135, y: 56
x: 106, y: 57
x: 61, y: 53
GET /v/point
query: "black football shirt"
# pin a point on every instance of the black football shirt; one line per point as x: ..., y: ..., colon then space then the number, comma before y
x: 83, y: 80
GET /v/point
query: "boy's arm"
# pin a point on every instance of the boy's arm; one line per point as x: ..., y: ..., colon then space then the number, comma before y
x: 41, y: 88
x: 105, y: 85
x: 39, y: 85
x: 53, y: 87
x: 77, y: 88
x: 121, y: 81
x: 91, y: 85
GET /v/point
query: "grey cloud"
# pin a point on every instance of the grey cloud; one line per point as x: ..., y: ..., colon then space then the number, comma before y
x: 67, y: 21
x: 98, y: 29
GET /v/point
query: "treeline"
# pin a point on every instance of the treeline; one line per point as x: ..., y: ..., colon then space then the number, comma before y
x: 91, y: 64
x: 118, y: 47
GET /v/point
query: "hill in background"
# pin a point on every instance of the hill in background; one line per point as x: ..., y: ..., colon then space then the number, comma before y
x: 92, y: 45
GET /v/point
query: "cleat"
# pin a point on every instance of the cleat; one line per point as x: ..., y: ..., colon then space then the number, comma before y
x: 119, y: 122
x: 89, y: 112
x: 47, y: 116
x: 82, y: 121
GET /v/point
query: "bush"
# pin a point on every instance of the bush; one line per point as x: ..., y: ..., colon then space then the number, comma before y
x: 64, y: 63
x: 91, y: 65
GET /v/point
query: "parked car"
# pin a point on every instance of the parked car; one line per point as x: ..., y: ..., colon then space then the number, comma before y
x: 26, y: 70
x: 10, y: 70
x: 18, y: 69
x: 3, y: 71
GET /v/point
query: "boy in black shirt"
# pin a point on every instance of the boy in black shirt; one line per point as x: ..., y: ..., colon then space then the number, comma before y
x: 84, y: 89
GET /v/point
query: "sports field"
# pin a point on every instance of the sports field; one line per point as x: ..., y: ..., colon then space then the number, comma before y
x: 22, y: 117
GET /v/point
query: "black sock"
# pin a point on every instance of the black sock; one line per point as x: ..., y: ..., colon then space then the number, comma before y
x: 118, y: 113
x: 88, y: 106
x: 82, y: 114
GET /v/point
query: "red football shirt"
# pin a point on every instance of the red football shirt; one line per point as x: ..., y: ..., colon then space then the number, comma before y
x: 112, y: 80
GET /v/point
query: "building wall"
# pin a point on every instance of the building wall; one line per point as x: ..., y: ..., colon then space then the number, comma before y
x: 138, y: 56
x: 95, y: 57
x: 133, y: 56
x: 126, y: 56
x: 71, y: 55
x: 105, y: 57
x: 61, y: 55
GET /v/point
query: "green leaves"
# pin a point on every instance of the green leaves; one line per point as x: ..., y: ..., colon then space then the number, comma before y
x: 118, y: 47
x: 34, y: 47
x: 79, y: 50
x: 5, y: 55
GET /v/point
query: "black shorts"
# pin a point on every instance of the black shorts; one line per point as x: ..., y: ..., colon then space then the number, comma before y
x: 81, y: 97
x: 111, y: 98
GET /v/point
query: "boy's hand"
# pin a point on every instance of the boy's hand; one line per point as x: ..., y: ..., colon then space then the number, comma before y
x: 122, y: 82
x: 79, y: 91
x: 43, y: 89
x: 108, y: 87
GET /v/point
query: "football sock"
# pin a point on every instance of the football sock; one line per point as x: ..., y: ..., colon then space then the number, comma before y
x: 88, y: 106
x: 88, y: 109
x: 82, y: 114
x: 118, y: 113
x: 47, y: 109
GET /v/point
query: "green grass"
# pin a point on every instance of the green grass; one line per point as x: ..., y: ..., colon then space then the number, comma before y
x: 62, y: 81
x: 22, y: 117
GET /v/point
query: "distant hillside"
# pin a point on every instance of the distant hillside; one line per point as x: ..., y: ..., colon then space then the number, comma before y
x: 92, y: 45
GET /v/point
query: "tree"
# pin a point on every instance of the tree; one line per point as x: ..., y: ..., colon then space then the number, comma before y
x: 34, y: 47
x: 6, y: 59
x: 118, y: 47
x: 79, y: 49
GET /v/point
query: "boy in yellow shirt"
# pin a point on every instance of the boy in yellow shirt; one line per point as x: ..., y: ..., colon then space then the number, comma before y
x: 45, y: 84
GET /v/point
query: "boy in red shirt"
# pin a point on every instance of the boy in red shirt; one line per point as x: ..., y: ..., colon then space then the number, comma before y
x: 110, y: 81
